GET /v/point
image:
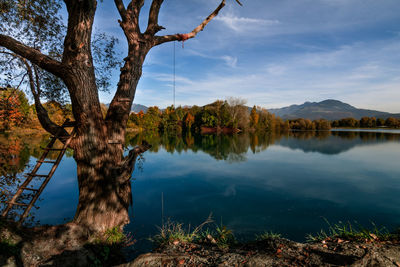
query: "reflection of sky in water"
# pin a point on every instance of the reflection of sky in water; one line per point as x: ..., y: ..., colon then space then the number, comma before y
x: 282, y: 188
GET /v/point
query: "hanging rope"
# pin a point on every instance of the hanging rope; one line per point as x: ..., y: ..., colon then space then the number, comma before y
x: 174, y: 74
x: 183, y: 37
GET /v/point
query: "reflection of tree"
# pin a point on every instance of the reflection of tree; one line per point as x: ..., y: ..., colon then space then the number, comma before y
x: 233, y: 148
x: 15, y: 153
x: 14, y: 156
x: 304, y: 135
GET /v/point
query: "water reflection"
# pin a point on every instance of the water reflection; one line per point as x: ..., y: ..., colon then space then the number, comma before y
x: 233, y: 148
x: 16, y: 153
x: 275, y: 178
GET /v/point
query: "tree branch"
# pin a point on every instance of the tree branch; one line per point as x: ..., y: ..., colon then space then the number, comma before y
x: 127, y: 166
x: 183, y: 37
x: 152, y: 26
x: 41, y: 112
x: 33, y: 55
x: 121, y: 9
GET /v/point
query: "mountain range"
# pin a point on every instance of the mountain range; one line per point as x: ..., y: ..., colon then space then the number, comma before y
x: 329, y: 109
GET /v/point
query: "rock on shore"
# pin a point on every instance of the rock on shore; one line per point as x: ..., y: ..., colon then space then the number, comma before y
x: 275, y: 252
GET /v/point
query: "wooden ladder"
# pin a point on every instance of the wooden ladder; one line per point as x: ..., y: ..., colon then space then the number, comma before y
x: 47, y: 177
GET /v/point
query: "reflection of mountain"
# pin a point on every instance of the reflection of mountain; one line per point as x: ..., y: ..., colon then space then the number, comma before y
x: 335, y: 142
x: 234, y: 148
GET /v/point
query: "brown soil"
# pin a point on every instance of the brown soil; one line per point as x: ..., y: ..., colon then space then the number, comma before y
x: 275, y: 252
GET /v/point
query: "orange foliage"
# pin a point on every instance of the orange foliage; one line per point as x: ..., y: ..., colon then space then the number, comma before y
x: 10, y: 113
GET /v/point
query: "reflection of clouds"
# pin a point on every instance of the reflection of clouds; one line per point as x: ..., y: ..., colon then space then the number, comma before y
x: 346, y: 179
x: 230, y: 191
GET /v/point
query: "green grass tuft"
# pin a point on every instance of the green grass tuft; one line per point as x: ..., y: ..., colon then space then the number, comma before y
x: 114, y: 235
x: 171, y: 232
x: 347, y: 231
x: 268, y: 236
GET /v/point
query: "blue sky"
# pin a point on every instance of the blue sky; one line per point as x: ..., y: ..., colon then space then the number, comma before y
x: 272, y: 53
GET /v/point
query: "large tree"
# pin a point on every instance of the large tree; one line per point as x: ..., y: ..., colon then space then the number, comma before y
x: 103, y: 173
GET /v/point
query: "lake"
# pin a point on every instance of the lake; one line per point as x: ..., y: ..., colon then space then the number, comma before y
x: 251, y: 183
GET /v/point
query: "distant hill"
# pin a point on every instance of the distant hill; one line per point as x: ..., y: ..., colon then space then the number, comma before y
x: 328, y: 109
x: 137, y: 108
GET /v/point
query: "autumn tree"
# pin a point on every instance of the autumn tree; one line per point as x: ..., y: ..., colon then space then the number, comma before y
x: 392, y: 122
x: 14, y: 107
x: 103, y: 172
x: 239, y: 112
x: 254, y: 117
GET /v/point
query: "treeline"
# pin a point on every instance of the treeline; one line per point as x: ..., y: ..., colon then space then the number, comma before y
x: 366, y: 122
x: 220, y: 116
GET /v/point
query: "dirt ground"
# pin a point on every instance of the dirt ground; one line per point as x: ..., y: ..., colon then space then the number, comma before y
x: 275, y: 252
x: 67, y: 245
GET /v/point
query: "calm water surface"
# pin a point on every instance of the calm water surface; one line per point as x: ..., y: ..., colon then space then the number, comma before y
x: 250, y: 183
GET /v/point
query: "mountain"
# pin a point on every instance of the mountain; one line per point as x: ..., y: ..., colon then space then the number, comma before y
x: 328, y: 109
x: 137, y: 108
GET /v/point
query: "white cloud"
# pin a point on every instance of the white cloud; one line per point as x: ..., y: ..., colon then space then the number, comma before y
x: 275, y: 69
x: 361, y: 74
x: 243, y: 24
x: 230, y: 61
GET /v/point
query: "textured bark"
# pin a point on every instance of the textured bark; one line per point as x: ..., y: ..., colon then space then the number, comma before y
x: 103, y: 173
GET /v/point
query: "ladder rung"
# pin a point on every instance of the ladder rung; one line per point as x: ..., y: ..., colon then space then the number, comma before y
x: 47, y: 161
x: 36, y: 175
x: 16, y: 203
x: 27, y: 188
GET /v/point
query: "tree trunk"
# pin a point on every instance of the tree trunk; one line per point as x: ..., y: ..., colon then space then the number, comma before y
x: 104, y: 181
x: 103, y: 199
x: 103, y: 173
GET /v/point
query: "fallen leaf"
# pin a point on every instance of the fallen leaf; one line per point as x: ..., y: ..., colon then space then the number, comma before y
x: 181, y: 262
x: 397, y: 263
x: 176, y: 242
x: 325, y: 246
x: 373, y: 236
x: 340, y: 241
x: 278, y: 251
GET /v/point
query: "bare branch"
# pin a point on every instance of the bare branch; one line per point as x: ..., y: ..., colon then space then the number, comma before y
x: 22, y: 80
x: 41, y: 112
x: 33, y: 55
x: 121, y: 8
x: 239, y: 3
x: 135, y: 3
x: 183, y: 37
x: 152, y: 26
x: 128, y: 164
